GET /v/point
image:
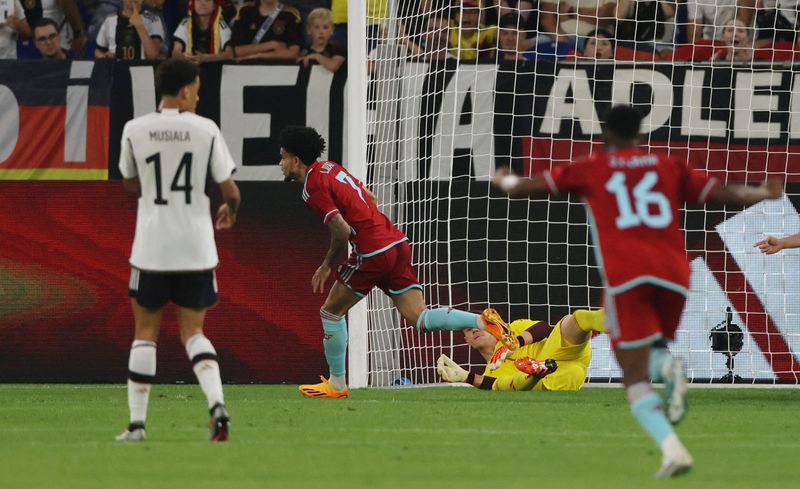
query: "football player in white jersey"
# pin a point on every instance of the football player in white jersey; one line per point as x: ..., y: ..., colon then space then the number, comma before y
x: 165, y: 158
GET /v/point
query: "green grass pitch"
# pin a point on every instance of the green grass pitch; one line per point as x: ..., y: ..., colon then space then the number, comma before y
x: 61, y: 436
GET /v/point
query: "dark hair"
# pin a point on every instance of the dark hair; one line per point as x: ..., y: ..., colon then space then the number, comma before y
x: 303, y: 142
x: 174, y: 74
x: 605, y: 33
x: 623, y: 121
x: 44, y: 22
x: 509, y: 20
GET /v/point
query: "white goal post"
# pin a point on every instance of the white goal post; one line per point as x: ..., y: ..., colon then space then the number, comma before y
x: 427, y: 132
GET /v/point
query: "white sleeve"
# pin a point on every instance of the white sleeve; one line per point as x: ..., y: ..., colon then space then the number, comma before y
x: 19, y: 10
x: 104, y: 35
x: 693, y: 10
x: 154, y: 27
x: 180, y: 33
x: 221, y: 161
x: 127, y: 163
x: 224, y: 35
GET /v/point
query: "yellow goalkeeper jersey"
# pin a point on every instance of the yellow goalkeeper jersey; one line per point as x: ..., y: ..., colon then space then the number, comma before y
x: 573, y: 360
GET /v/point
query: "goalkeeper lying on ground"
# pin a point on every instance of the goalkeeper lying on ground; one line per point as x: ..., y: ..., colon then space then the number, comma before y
x: 550, y: 358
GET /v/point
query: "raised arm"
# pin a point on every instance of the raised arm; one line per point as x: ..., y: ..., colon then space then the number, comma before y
x: 735, y: 193
x: 340, y: 233
x: 70, y: 8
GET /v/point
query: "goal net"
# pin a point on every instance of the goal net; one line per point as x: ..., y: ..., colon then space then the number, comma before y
x: 442, y: 119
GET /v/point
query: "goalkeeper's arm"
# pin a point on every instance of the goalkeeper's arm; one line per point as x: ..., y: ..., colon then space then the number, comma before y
x: 450, y: 371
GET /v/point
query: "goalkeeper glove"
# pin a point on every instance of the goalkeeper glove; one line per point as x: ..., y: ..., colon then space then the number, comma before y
x: 535, y: 367
x: 449, y: 370
x: 499, y: 357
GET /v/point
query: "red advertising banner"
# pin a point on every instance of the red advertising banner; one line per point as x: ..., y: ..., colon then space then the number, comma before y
x: 65, y: 314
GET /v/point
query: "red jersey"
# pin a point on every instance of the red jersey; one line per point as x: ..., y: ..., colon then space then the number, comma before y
x: 634, y: 200
x: 331, y: 190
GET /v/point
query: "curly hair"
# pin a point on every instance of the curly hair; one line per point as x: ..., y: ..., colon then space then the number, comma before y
x: 303, y: 142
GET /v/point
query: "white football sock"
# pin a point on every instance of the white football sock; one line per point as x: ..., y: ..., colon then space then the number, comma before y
x: 204, y: 363
x: 141, y: 372
x: 338, y: 382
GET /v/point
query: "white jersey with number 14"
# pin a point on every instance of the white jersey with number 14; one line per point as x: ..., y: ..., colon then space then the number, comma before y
x: 172, y: 152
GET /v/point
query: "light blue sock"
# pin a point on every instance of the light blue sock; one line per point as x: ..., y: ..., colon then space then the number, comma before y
x: 649, y: 413
x: 658, y: 357
x: 444, y: 318
x: 335, y: 342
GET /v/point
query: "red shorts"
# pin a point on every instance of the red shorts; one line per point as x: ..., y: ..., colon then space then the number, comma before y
x: 390, y: 270
x: 643, y: 314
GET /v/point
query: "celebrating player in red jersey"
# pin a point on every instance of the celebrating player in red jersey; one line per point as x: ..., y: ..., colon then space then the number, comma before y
x: 634, y: 200
x: 381, y: 256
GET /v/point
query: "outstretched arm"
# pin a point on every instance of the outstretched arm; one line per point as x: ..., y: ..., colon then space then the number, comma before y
x: 340, y: 233
x: 735, y: 193
x: 450, y: 371
x: 517, y: 187
x: 772, y: 245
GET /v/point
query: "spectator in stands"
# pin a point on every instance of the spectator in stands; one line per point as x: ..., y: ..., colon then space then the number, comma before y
x: 13, y: 26
x: 737, y: 43
x: 376, y: 13
x: 323, y: 49
x: 470, y: 39
x: 527, y: 11
x: 777, y: 20
x: 564, y: 22
x: 599, y: 44
x: 339, y: 11
x: 66, y: 15
x: 267, y: 30
x: 707, y: 18
x: 649, y: 24
x: 511, y: 44
x: 203, y: 35
x: 131, y: 34
x: 433, y: 45
x: 47, y: 40
x: 106, y: 8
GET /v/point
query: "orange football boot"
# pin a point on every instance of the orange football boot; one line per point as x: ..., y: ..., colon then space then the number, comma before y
x: 323, y: 390
x: 494, y: 325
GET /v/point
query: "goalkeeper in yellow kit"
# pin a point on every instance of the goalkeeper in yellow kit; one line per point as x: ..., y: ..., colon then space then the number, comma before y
x: 547, y: 358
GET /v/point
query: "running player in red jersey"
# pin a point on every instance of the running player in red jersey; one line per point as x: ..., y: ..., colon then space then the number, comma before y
x: 381, y: 256
x: 634, y: 199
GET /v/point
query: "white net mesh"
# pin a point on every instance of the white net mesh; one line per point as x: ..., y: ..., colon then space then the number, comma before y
x: 449, y: 103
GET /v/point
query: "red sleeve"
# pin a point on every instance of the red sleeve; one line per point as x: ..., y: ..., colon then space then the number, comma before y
x: 567, y: 178
x: 320, y: 201
x: 695, y: 184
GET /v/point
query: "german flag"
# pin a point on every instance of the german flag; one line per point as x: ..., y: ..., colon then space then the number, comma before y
x: 54, y: 120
